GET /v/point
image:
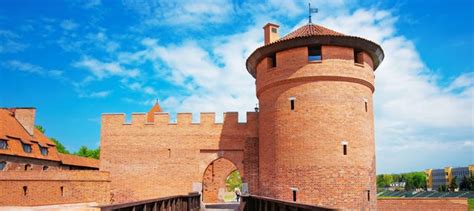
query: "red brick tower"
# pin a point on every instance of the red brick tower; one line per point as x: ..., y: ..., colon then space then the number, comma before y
x: 316, y: 122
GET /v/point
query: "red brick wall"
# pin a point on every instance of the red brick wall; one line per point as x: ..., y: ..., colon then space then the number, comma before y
x: 215, y: 178
x: 161, y: 158
x: 439, y: 204
x: 303, y: 148
x: 15, y: 163
x: 44, y: 187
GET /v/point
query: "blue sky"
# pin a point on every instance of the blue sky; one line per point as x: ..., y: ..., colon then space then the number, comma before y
x: 75, y: 60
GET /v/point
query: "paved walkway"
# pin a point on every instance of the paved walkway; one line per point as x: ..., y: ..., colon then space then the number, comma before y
x: 233, y: 206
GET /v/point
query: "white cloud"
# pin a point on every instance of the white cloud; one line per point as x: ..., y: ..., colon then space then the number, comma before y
x: 9, y: 42
x: 191, y: 13
x: 26, y: 67
x: 105, y: 69
x: 98, y: 94
x: 69, y: 25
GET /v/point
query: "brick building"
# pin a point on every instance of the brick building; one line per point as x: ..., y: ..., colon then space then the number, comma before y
x: 312, y: 139
x: 33, y: 172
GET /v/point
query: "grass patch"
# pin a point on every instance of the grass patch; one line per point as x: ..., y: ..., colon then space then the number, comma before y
x: 470, y: 202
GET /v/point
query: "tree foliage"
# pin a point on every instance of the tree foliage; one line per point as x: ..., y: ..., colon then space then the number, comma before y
x: 60, y: 147
x: 413, y: 180
x: 452, y: 185
x: 40, y: 128
x: 90, y: 153
x: 234, y: 180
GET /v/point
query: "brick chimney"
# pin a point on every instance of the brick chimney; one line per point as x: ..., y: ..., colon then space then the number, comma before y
x: 26, y: 117
x: 270, y: 32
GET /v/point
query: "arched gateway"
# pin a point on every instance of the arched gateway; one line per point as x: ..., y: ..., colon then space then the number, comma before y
x: 214, y: 187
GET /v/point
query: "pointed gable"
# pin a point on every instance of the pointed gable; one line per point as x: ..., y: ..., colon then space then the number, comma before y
x: 150, y: 115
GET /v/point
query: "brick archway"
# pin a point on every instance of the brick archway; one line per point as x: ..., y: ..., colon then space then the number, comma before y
x: 214, y: 179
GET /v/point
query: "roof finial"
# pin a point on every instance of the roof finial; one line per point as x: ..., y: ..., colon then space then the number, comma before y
x: 311, y: 10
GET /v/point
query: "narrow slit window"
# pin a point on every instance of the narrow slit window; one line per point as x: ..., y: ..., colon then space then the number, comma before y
x: 169, y: 153
x: 358, y: 57
x: 368, y: 195
x: 62, y: 190
x: 344, y: 149
x: 272, y: 62
x: 25, y: 190
x: 314, y: 53
x: 366, y: 106
x: 292, y: 104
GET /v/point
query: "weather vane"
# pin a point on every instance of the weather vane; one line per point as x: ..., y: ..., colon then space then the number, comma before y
x: 311, y: 10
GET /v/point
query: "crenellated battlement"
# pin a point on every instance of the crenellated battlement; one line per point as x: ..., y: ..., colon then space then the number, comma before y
x: 182, y: 119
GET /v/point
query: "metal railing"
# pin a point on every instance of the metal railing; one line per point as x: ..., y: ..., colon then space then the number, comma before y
x: 257, y: 203
x: 190, y: 202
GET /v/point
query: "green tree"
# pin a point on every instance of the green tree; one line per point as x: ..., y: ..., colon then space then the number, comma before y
x: 443, y: 188
x: 234, y: 180
x: 384, y: 180
x: 40, y: 128
x: 60, y: 147
x: 90, y: 153
x: 464, y: 185
x: 452, y: 185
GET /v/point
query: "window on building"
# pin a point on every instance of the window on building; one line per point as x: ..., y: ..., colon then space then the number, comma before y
x: 344, y: 149
x: 368, y: 195
x: 27, y: 167
x: 25, y: 190
x: 62, y: 190
x: 26, y: 147
x: 366, y: 106
x: 358, y: 56
x: 44, y: 150
x: 292, y: 103
x: 272, y: 61
x: 45, y: 168
x: 3, y: 165
x: 3, y: 144
x: 314, y: 53
x: 169, y: 153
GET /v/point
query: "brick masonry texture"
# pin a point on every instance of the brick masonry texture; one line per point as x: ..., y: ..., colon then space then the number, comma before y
x: 44, y: 187
x: 438, y: 204
x: 302, y: 148
x: 150, y: 160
